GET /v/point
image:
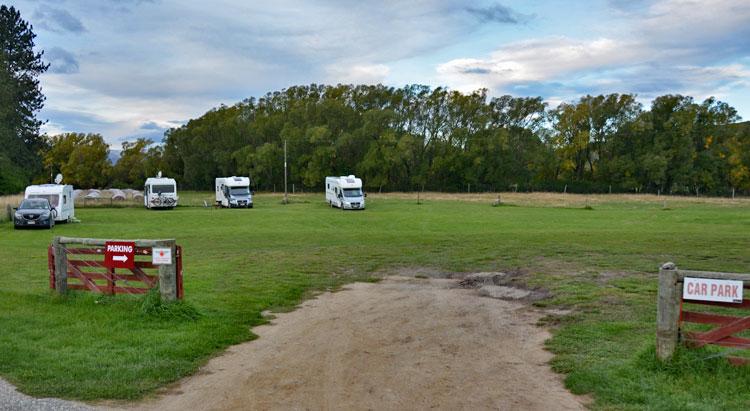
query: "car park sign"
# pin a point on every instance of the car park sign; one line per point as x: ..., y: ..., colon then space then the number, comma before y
x: 119, y: 254
x: 706, y: 289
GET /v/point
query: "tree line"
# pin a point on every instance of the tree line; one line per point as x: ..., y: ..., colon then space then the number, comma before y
x: 418, y: 137
x: 423, y: 138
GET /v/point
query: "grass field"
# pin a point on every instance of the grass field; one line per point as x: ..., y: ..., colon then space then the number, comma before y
x: 599, y: 263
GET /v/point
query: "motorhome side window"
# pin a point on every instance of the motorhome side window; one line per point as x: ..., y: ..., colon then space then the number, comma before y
x: 65, y: 199
x: 147, y: 190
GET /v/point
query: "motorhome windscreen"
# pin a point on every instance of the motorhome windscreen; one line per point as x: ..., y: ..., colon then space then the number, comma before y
x: 239, y: 191
x: 352, y: 192
x: 53, y: 198
x: 162, y: 188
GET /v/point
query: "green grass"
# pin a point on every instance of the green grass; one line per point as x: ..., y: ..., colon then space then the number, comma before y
x: 600, y: 263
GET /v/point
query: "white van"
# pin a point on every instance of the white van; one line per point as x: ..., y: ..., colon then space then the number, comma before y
x: 345, y: 192
x: 60, y: 198
x: 234, y: 192
x: 160, y: 192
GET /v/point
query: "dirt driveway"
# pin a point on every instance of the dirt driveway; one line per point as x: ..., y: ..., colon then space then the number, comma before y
x: 404, y: 343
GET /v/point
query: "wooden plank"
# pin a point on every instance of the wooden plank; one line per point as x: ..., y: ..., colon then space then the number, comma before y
x: 143, y: 277
x: 94, y: 263
x: 130, y: 290
x: 706, y: 318
x: 694, y: 340
x: 180, y: 289
x: 61, y: 266
x: 667, y: 312
x: 145, y: 264
x: 713, y: 336
x: 168, y: 273
x: 738, y: 361
x: 51, y: 266
x: 151, y: 280
x: 85, y: 263
x: 78, y: 274
x: 743, y: 304
x: 102, y: 242
x: 86, y: 251
x: 681, y: 274
x: 110, y: 281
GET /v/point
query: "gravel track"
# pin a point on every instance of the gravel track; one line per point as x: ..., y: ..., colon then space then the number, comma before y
x: 12, y: 400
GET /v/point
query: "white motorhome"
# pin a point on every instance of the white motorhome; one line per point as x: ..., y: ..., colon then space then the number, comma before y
x: 345, y: 192
x: 60, y: 198
x: 160, y: 192
x: 234, y: 192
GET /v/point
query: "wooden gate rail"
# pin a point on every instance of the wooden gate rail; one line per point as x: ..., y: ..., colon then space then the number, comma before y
x: 87, y: 272
x: 670, y: 315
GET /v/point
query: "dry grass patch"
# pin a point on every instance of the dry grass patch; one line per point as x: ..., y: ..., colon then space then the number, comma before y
x: 8, y: 201
x: 546, y: 199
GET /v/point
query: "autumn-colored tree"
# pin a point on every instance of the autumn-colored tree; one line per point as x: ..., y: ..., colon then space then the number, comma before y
x: 81, y: 158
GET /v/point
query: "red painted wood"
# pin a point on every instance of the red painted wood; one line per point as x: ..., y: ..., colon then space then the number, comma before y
x: 180, y: 289
x: 131, y: 290
x: 706, y: 318
x: 141, y: 275
x: 711, y: 337
x: 86, y: 263
x: 696, y: 339
x: 51, y: 266
x: 744, y: 304
x: 738, y: 361
x: 92, y: 275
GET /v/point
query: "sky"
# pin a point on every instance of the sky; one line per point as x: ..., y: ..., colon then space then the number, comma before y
x: 134, y: 68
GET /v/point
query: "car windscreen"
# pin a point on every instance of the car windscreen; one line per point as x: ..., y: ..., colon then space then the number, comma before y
x: 352, y: 192
x: 162, y: 188
x: 239, y: 191
x: 52, y: 198
x: 34, y: 204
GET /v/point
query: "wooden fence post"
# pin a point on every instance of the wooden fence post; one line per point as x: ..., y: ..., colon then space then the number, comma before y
x: 168, y: 273
x: 668, y: 312
x: 61, y: 266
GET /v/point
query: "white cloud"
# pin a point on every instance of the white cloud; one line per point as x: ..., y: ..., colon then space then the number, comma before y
x: 672, y: 46
x: 537, y: 60
x: 357, y: 73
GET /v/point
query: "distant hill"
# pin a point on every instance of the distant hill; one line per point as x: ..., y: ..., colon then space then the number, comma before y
x: 114, y: 155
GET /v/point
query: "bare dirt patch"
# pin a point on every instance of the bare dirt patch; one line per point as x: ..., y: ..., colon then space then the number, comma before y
x: 404, y: 343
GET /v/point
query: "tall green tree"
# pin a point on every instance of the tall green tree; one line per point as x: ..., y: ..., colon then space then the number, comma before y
x: 131, y: 168
x: 20, y: 99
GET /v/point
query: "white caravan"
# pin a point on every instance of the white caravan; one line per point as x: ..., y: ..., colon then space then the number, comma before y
x: 345, y: 192
x: 160, y: 192
x: 234, y: 192
x: 60, y: 198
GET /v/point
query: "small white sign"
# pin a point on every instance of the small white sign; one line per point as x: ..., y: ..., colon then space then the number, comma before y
x: 161, y: 255
x: 707, y: 289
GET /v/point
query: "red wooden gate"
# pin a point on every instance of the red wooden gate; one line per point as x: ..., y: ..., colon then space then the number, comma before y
x: 723, y: 334
x: 89, y: 273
